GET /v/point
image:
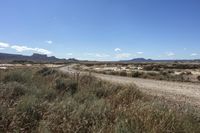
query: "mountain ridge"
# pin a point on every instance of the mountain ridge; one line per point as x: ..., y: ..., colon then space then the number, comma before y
x: 164, y: 60
x: 35, y: 57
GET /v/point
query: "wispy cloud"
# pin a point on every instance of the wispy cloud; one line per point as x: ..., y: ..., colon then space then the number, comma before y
x: 25, y: 48
x: 194, y: 54
x: 4, y: 45
x: 20, y: 48
x: 98, y: 55
x: 49, y: 42
x: 117, y: 49
x: 170, y: 54
x: 123, y: 55
x: 102, y: 55
x: 89, y: 54
x: 69, y: 54
x: 140, y: 52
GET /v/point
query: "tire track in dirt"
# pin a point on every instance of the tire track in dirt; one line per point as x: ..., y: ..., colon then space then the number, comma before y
x: 188, y: 93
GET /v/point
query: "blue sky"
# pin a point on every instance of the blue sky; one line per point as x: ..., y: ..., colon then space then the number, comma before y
x: 101, y: 29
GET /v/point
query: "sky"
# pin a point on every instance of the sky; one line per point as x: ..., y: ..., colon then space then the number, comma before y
x: 101, y: 29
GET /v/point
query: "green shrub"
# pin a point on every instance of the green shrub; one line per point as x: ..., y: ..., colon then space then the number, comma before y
x: 72, y: 87
x: 198, y: 77
x: 46, y: 71
x: 101, y: 92
x: 5, y: 118
x: 114, y: 73
x: 12, y: 90
x: 164, y: 73
x: 125, y: 124
x: 170, y: 71
x: 26, y: 103
x: 123, y: 73
x: 61, y: 85
x: 153, y: 74
x: 66, y: 85
x: 50, y: 94
x: 148, y: 67
x: 136, y: 74
x: 18, y: 76
x: 156, y: 69
x: 29, y: 114
x: 188, y: 73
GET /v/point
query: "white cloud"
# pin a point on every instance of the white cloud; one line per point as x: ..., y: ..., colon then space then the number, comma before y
x: 140, y: 52
x: 25, y: 48
x: 43, y: 51
x: 69, y: 54
x: 49, y: 42
x: 194, y: 54
x: 21, y: 48
x: 123, y: 55
x: 4, y: 45
x: 170, y: 54
x: 117, y: 49
x: 98, y: 55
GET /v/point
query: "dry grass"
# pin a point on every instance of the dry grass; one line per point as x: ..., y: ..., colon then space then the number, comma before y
x: 48, y: 101
x: 181, y: 72
x: 162, y: 75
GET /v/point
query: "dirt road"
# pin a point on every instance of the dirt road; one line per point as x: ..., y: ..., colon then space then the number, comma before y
x: 188, y: 93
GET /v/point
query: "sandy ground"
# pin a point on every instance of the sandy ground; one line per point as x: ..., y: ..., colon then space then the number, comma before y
x: 188, y: 93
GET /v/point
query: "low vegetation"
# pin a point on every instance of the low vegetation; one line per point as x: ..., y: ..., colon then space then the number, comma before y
x: 149, y: 66
x: 162, y: 75
x: 46, y: 100
x: 198, y: 78
x: 182, y: 72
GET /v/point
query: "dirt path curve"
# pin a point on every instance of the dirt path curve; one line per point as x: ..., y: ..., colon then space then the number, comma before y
x: 188, y: 93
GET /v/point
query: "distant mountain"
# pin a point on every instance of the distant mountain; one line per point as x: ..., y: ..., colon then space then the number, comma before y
x: 137, y: 60
x: 141, y: 60
x: 150, y: 60
x: 4, y: 57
